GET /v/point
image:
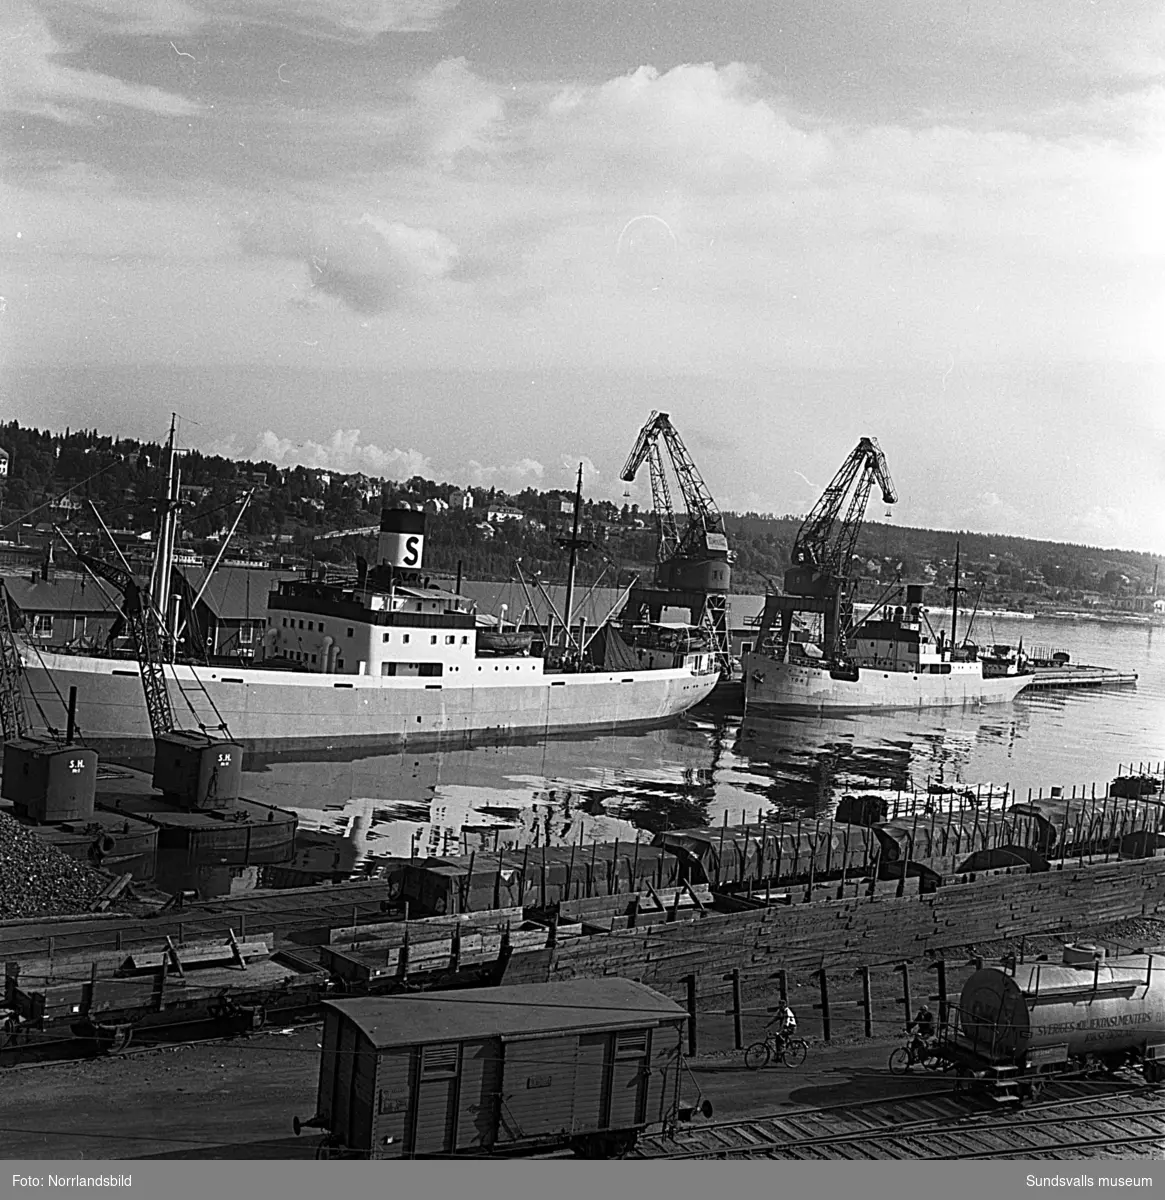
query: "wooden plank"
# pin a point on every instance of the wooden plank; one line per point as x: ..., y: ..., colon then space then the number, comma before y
x: 199, y: 956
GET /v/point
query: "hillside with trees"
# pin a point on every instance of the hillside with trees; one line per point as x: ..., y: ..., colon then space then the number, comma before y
x: 53, y: 478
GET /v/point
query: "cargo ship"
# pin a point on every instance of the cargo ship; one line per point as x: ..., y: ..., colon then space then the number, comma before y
x: 891, y: 661
x: 383, y: 660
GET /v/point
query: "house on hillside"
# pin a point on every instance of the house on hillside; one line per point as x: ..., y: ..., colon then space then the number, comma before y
x: 231, y: 613
x: 64, y: 610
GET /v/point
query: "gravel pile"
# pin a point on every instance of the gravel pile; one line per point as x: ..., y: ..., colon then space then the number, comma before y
x: 38, y: 880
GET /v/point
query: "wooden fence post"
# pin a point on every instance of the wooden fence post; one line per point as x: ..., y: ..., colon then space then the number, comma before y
x: 907, y: 1007
x: 737, y: 1022
x: 867, y: 1002
x: 690, y: 984
x: 826, y: 1020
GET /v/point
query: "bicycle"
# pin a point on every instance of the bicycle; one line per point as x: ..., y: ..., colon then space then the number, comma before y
x: 904, y: 1057
x: 790, y: 1051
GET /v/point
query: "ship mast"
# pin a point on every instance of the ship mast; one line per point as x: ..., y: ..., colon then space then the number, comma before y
x: 167, y: 535
x: 574, y: 543
x: 954, y: 591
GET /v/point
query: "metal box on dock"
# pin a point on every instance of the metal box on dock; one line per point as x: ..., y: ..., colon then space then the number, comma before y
x: 197, y: 772
x: 49, y: 783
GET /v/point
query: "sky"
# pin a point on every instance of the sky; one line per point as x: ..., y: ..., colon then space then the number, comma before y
x: 483, y: 241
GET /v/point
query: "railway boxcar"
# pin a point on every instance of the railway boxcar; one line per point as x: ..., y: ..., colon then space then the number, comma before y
x: 494, y: 1071
x: 1016, y: 1025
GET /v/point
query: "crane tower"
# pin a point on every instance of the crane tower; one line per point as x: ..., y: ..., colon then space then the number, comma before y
x: 693, y: 560
x: 818, y: 579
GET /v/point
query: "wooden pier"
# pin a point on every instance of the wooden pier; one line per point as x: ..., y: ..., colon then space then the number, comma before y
x: 1079, y: 675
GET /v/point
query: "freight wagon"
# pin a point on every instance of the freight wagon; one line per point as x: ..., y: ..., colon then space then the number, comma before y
x: 585, y: 1065
x: 1014, y: 1027
x: 535, y: 877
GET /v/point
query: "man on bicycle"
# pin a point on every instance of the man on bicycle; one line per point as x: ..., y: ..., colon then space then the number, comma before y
x: 786, y: 1024
x: 924, y: 1031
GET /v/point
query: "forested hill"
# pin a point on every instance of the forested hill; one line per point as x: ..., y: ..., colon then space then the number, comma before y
x: 52, y: 476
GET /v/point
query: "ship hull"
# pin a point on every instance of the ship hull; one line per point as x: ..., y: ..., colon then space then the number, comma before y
x: 274, y: 712
x: 796, y: 687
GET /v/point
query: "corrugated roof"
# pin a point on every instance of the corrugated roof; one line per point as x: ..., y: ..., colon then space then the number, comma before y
x: 506, y: 1011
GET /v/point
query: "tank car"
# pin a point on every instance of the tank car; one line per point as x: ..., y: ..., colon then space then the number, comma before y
x: 1016, y: 1025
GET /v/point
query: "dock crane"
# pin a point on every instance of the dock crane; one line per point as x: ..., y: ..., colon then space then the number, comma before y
x: 818, y: 579
x: 197, y: 769
x: 693, y: 562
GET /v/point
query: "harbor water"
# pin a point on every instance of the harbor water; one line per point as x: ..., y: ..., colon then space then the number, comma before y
x: 354, y: 810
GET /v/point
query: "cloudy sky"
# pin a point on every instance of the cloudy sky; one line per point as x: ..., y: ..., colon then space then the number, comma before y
x: 483, y: 240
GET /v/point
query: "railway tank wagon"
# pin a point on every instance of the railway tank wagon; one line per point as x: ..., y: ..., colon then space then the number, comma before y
x: 478, y: 1072
x: 1016, y: 1026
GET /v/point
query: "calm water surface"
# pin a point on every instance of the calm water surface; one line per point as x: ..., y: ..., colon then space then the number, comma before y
x: 563, y: 790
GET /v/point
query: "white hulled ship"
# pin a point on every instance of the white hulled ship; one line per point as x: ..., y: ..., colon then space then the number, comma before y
x: 384, y: 661
x: 893, y: 661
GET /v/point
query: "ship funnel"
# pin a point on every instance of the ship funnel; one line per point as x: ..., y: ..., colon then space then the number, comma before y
x: 914, y: 601
x: 402, y: 538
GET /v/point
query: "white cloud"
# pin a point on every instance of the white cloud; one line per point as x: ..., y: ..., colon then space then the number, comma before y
x: 697, y: 126
x: 343, y: 453
x: 348, y: 19
x: 37, y: 84
x: 452, y: 110
x: 527, y: 472
x: 369, y: 264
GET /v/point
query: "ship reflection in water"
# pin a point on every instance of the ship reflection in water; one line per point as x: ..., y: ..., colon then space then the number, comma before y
x: 356, y: 813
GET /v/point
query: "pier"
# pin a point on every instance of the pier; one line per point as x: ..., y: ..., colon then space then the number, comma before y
x: 1080, y: 675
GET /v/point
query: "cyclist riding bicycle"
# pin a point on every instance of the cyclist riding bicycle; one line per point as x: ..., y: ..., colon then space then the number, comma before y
x: 924, y: 1032
x: 786, y: 1024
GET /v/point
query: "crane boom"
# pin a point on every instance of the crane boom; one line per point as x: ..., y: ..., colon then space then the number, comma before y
x: 147, y: 638
x: 826, y: 542
x: 818, y: 581
x: 692, y: 563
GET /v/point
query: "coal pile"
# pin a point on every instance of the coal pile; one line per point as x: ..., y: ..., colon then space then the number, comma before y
x: 38, y: 880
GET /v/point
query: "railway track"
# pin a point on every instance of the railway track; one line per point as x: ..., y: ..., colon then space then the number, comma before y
x: 937, y: 1125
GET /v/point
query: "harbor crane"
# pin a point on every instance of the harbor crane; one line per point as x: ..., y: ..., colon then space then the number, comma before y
x: 196, y: 769
x: 818, y: 579
x: 693, y: 561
